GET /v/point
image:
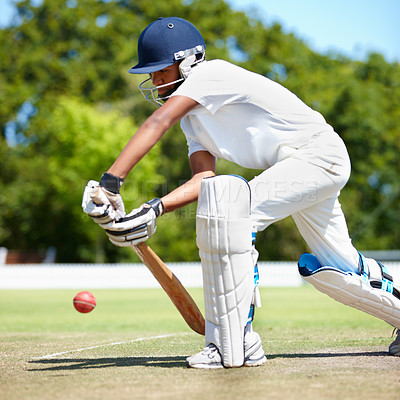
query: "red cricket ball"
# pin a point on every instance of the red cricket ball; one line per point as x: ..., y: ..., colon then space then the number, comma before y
x: 84, y: 302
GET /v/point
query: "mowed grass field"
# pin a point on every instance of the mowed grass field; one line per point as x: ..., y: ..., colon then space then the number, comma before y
x: 134, y: 346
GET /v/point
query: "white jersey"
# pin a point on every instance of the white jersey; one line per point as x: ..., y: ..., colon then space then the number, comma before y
x: 250, y: 120
x: 244, y: 117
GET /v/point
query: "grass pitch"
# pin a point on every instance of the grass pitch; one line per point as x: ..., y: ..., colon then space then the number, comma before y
x: 134, y: 345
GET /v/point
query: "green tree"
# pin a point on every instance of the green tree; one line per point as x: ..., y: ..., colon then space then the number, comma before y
x: 43, y: 202
x: 365, y: 113
x: 71, y: 106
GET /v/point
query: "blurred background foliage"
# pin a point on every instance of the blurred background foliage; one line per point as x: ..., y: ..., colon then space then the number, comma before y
x: 69, y: 106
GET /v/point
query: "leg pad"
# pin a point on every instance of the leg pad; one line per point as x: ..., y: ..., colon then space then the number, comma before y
x: 224, y: 239
x: 354, y: 290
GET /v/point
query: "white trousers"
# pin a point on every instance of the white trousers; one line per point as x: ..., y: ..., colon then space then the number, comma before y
x: 306, y: 186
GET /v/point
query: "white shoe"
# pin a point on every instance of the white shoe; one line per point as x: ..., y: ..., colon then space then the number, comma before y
x: 253, y: 351
x: 210, y: 358
x: 394, y: 348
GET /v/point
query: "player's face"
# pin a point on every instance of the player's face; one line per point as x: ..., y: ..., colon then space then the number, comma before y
x: 165, y: 76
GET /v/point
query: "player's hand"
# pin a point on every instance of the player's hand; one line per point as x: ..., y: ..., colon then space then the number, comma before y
x: 110, y: 186
x: 135, y: 227
x: 101, y: 204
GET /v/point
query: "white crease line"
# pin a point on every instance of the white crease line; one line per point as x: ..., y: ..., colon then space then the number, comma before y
x: 103, y: 345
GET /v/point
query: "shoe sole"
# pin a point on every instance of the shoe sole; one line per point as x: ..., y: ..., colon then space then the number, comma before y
x: 255, y: 363
x: 204, y: 366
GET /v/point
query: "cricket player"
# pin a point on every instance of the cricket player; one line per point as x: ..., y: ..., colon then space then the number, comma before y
x: 228, y: 112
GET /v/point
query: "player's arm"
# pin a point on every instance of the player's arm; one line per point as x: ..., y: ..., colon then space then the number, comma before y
x: 140, y: 224
x: 150, y: 133
x: 202, y: 164
x: 108, y: 197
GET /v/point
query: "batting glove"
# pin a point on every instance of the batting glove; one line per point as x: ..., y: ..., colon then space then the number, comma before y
x: 135, y: 227
x: 110, y: 186
x: 102, y: 204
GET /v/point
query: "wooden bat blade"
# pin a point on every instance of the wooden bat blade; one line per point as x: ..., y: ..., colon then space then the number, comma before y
x: 173, y: 287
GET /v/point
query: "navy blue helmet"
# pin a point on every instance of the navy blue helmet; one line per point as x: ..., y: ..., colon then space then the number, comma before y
x: 165, y: 42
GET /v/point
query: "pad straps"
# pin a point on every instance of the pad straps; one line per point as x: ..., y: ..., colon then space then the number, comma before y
x: 256, y: 302
x: 253, y: 306
x: 386, y: 280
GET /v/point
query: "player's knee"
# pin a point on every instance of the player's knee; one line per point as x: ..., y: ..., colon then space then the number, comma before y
x: 223, y: 223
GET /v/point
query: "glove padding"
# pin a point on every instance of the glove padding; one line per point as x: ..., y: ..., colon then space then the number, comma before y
x: 135, y: 227
x: 102, y: 205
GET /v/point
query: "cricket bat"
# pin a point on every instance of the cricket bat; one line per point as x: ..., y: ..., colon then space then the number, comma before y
x: 172, y: 286
x: 168, y: 281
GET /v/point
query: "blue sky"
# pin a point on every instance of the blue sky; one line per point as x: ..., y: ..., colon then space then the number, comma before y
x: 350, y: 27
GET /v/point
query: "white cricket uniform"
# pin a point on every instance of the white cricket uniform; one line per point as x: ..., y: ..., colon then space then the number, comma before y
x: 252, y: 121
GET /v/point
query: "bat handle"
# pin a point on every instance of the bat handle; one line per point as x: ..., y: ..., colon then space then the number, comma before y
x: 98, y: 197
